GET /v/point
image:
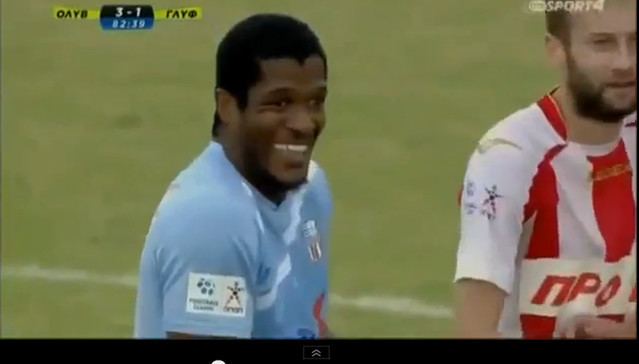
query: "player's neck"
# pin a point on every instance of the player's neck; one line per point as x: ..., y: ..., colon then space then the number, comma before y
x: 271, y: 191
x: 581, y: 129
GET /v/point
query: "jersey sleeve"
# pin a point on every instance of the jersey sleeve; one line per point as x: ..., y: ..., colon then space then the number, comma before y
x: 201, y: 250
x: 492, y: 208
x: 148, y: 305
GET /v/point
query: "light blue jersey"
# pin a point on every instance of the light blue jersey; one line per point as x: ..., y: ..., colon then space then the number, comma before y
x: 222, y: 260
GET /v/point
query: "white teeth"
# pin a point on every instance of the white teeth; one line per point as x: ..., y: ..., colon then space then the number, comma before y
x: 298, y: 148
x: 292, y: 147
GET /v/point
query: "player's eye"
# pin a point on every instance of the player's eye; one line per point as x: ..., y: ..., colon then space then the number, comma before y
x: 316, y: 102
x: 602, y: 42
x: 280, y: 104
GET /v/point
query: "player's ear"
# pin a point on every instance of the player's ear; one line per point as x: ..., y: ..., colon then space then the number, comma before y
x: 555, y: 51
x: 226, y: 106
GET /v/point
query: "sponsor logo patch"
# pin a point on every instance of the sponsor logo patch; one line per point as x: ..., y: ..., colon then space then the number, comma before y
x: 550, y: 286
x: 484, y: 205
x: 216, y: 295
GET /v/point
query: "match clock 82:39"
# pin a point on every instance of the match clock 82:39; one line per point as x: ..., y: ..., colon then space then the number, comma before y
x: 126, y: 17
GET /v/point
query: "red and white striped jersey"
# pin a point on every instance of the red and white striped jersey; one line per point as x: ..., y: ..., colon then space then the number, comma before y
x: 550, y: 221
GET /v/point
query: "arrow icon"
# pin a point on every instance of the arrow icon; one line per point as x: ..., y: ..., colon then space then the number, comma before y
x: 317, y: 352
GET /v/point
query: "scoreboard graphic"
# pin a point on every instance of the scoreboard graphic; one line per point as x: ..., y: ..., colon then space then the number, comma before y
x: 127, y: 17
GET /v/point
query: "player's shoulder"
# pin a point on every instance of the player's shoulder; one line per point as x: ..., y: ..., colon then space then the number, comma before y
x: 630, y: 124
x: 211, y: 182
x: 317, y: 178
x: 203, y: 203
x: 192, y: 222
x: 629, y: 135
x: 527, y: 129
x: 318, y: 189
x: 630, y: 120
x: 518, y: 142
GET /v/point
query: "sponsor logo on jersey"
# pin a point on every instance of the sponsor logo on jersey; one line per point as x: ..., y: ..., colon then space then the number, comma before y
x: 486, y: 205
x: 550, y: 286
x: 489, y: 204
x: 206, y: 295
x: 235, y: 304
x: 469, y: 193
x: 610, y: 172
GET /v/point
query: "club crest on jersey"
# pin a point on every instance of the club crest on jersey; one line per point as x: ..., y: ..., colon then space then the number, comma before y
x: 309, y: 229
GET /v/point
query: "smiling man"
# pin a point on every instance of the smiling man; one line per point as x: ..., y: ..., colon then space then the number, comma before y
x: 238, y: 246
x: 548, y: 230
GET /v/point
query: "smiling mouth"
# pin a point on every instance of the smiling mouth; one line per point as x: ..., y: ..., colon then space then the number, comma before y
x: 622, y: 84
x: 292, y: 148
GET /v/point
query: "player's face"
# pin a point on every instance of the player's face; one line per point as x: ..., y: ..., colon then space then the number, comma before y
x: 283, y: 118
x: 601, y: 61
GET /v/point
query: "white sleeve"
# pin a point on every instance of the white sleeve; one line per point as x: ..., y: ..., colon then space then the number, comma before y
x: 492, y: 203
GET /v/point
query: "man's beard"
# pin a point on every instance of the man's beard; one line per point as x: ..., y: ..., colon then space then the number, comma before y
x: 589, y: 99
x: 263, y: 180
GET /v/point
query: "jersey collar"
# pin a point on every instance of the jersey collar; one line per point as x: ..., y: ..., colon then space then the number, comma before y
x: 551, y: 110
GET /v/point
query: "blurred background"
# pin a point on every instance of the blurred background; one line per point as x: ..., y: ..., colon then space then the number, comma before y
x: 96, y: 124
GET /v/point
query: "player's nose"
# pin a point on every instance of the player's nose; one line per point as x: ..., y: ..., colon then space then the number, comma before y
x: 302, y: 123
x: 626, y: 58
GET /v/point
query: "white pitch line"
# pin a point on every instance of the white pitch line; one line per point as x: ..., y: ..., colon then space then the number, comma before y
x: 393, y: 305
x: 383, y: 304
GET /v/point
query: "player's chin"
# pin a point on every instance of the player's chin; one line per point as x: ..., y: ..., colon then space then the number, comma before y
x: 291, y: 176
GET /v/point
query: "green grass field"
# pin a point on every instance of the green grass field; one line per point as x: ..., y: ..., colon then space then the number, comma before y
x: 95, y: 125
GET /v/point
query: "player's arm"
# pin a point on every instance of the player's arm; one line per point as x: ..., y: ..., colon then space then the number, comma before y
x: 478, y: 308
x: 202, y: 252
x: 491, y: 209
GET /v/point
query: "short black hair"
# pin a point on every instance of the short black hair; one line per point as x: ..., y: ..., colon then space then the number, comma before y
x: 256, y: 38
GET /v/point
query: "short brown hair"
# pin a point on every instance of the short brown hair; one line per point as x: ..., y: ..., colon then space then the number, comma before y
x: 558, y: 23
